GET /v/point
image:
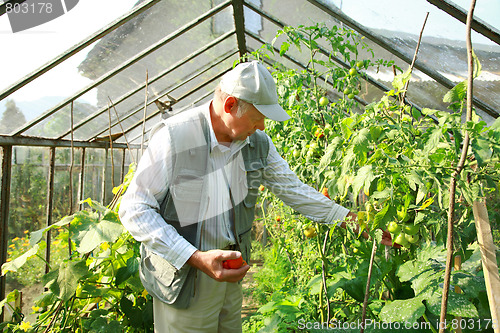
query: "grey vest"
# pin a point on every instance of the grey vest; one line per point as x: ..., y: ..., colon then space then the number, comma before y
x: 159, y: 277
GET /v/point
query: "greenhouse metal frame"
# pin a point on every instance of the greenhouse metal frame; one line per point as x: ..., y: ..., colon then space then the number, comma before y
x: 128, y: 130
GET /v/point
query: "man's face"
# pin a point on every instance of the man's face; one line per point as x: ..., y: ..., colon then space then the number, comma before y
x: 244, y: 126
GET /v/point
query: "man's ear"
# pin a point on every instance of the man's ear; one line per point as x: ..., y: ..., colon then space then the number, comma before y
x: 229, y: 103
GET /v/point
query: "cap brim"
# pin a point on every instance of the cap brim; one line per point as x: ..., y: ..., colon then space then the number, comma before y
x: 273, y: 112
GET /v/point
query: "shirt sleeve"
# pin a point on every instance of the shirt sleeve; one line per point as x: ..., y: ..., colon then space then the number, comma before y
x: 285, y: 184
x: 140, y: 206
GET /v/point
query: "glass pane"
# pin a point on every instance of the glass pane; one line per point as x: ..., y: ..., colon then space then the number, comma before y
x: 442, y: 50
x: 29, y: 49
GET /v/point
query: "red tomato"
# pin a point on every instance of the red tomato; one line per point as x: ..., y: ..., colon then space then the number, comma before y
x: 233, y: 263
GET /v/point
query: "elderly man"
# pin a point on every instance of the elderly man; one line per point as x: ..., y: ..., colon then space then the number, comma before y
x: 191, y: 202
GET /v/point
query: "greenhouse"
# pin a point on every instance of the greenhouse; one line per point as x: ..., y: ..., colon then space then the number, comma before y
x: 374, y: 208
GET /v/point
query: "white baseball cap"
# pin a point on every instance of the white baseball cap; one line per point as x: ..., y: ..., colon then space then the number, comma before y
x: 253, y: 83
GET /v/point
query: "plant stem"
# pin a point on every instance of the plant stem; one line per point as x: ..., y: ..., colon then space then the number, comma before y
x: 427, y: 320
x: 403, y: 96
x: 315, y: 84
x: 453, y: 182
x: 324, y: 269
x: 54, y: 317
x: 323, y: 281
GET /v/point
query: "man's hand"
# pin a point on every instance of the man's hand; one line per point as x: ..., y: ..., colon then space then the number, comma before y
x: 210, y: 262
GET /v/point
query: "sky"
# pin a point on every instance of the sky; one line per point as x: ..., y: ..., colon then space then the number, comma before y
x: 25, y: 51
x: 408, y: 16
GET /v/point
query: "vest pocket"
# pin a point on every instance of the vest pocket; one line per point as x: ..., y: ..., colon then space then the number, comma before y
x: 165, y: 282
x: 183, y: 199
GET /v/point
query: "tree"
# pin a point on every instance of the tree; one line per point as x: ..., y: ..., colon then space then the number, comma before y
x: 12, y: 118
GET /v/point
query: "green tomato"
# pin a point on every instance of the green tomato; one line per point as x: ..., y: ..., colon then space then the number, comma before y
x: 355, y: 91
x: 411, y: 229
x: 375, y: 132
x: 412, y: 238
x: 393, y: 227
x: 295, y: 153
x: 350, y: 96
x: 323, y: 101
x: 360, y: 64
x: 347, y: 91
x: 401, y: 239
x: 353, y: 71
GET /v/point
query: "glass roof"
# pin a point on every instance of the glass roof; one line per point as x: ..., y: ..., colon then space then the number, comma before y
x: 179, y: 51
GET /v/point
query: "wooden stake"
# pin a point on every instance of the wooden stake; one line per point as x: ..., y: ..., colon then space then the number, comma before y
x: 488, y: 259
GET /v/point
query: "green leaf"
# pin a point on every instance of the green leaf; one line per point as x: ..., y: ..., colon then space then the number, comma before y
x: 91, y: 233
x: 37, y: 235
x: 457, y: 93
x: 329, y: 151
x: 360, y: 145
x: 14, y: 265
x: 432, y: 252
x: 355, y: 287
x: 458, y: 305
x: 385, y: 193
x: 429, y: 112
x: 421, y: 194
x: 407, y: 310
x: 363, y: 178
x: 433, y: 140
x: 384, y: 216
x: 127, y: 271
x: 284, y: 47
x: 70, y: 273
x: 101, y: 325
x: 414, y: 179
x: 481, y: 150
x: 345, y: 125
x: 11, y: 297
x: 133, y: 314
x: 94, y: 205
x: 411, y: 269
x: 470, y: 284
x: 400, y: 80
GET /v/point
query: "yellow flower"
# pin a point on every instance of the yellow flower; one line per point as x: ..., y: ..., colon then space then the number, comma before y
x: 35, y: 308
x: 105, y: 246
x: 15, y: 239
x: 25, y: 325
x: 26, y: 231
x: 144, y: 293
x: 12, y: 246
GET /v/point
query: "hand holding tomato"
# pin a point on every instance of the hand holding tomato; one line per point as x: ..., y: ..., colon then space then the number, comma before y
x: 212, y: 263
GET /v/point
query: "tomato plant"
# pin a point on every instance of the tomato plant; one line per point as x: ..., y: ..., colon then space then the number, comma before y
x: 391, y: 159
x: 100, y: 279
